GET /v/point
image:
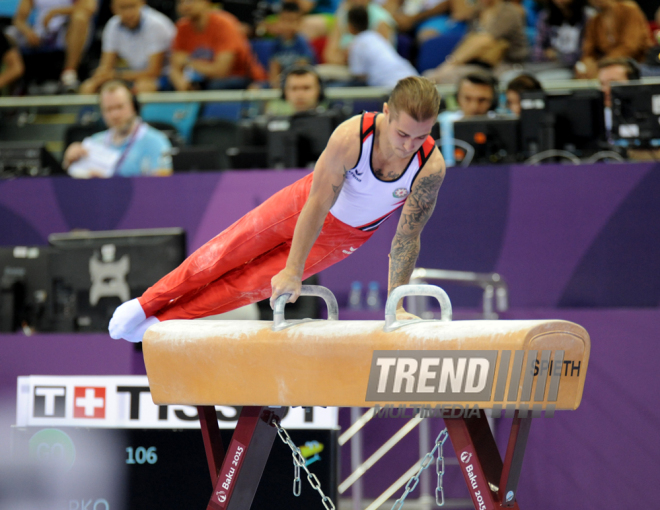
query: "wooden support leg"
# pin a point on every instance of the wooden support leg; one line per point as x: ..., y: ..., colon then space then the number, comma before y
x: 215, y: 451
x: 245, y: 459
x: 492, y: 484
x: 515, y: 452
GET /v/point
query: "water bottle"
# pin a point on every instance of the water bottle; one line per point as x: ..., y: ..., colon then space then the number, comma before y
x: 373, y: 296
x: 355, y: 296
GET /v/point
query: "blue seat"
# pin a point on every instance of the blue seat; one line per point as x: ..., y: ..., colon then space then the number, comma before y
x: 181, y: 115
x: 8, y: 8
x: 227, y: 111
x: 434, y: 51
x: 405, y: 45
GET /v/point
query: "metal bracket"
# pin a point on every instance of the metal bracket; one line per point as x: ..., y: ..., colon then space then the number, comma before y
x: 415, y: 290
x: 279, y: 322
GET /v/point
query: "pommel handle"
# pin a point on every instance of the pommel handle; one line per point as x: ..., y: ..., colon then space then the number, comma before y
x: 415, y: 290
x: 279, y: 322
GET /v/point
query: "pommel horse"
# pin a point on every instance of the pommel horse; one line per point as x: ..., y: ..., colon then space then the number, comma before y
x: 521, y: 368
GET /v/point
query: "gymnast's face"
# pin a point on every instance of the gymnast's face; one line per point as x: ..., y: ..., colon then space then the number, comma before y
x: 404, y: 133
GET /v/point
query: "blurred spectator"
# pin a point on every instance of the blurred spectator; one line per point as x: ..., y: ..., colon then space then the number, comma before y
x: 371, y: 57
x: 476, y: 94
x: 614, y: 70
x: 210, y: 51
x: 336, y: 49
x: 11, y: 62
x: 652, y: 64
x: 521, y: 83
x: 428, y: 18
x: 129, y: 148
x: 138, y: 36
x: 62, y: 25
x: 620, y: 29
x: 291, y: 48
x: 318, y: 17
x: 302, y: 90
x: 496, y: 37
x: 559, y: 33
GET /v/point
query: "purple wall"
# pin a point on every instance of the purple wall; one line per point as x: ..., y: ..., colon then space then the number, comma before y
x: 560, y: 235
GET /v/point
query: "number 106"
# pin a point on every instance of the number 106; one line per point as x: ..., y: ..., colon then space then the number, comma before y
x: 142, y: 455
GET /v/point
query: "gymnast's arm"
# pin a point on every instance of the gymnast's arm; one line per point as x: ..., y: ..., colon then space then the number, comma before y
x: 338, y: 157
x: 416, y: 212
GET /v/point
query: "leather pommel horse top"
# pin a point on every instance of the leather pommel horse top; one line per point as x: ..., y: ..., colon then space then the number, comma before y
x: 357, y: 363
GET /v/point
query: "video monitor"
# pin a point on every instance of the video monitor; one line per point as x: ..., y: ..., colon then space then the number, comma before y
x: 636, y: 114
x: 24, y: 288
x: 18, y: 159
x: 299, y: 140
x: 94, y: 272
x: 573, y: 121
x: 494, y: 140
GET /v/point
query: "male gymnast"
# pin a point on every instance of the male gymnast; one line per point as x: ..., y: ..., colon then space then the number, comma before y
x: 373, y: 164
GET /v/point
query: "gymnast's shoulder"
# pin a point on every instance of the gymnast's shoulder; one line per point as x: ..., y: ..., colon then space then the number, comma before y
x: 434, y: 167
x: 345, y: 139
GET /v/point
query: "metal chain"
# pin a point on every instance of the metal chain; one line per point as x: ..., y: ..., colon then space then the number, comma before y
x: 299, y: 462
x: 426, y: 462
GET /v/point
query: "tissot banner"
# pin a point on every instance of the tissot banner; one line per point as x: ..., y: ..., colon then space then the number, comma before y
x: 125, y: 402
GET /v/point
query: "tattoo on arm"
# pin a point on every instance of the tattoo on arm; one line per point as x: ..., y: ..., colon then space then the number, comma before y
x: 337, y: 189
x: 406, y: 243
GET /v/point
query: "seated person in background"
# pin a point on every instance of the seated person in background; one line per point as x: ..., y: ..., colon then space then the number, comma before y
x: 302, y: 91
x: 521, y: 83
x: 336, y: 49
x: 476, y: 95
x: 559, y: 33
x: 620, y: 29
x: 291, y: 48
x: 371, y: 58
x: 11, y: 62
x: 210, y: 51
x: 60, y: 25
x: 614, y: 70
x: 140, y: 37
x: 496, y: 38
x: 428, y: 18
x: 129, y: 148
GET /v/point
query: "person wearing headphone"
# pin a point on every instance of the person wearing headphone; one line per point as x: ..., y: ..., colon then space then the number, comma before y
x: 614, y: 70
x: 302, y: 89
x: 476, y: 94
x: 128, y: 148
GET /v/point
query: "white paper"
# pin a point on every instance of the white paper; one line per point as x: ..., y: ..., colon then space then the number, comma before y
x: 99, y: 162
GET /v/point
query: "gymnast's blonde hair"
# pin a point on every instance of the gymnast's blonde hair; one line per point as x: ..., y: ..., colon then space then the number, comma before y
x: 417, y: 96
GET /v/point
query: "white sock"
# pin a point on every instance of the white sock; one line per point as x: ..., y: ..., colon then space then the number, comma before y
x: 126, y: 318
x: 136, y: 335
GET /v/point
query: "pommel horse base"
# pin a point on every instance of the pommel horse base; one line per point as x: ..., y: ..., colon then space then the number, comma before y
x: 523, y: 368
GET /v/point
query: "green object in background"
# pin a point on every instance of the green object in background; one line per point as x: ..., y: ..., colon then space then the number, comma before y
x: 52, y: 447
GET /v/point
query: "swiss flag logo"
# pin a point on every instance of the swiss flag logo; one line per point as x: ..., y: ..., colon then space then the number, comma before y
x: 88, y: 402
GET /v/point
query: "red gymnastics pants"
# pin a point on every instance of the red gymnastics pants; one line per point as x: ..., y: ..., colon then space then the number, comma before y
x: 235, y: 268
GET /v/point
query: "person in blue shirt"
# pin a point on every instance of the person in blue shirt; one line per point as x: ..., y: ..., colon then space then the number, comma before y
x: 291, y: 49
x: 129, y: 148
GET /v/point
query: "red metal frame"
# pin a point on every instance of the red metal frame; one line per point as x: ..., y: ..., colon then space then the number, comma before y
x: 236, y: 472
x: 491, y: 482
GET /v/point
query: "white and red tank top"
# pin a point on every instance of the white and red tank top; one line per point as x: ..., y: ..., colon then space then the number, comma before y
x: 365, y: 200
